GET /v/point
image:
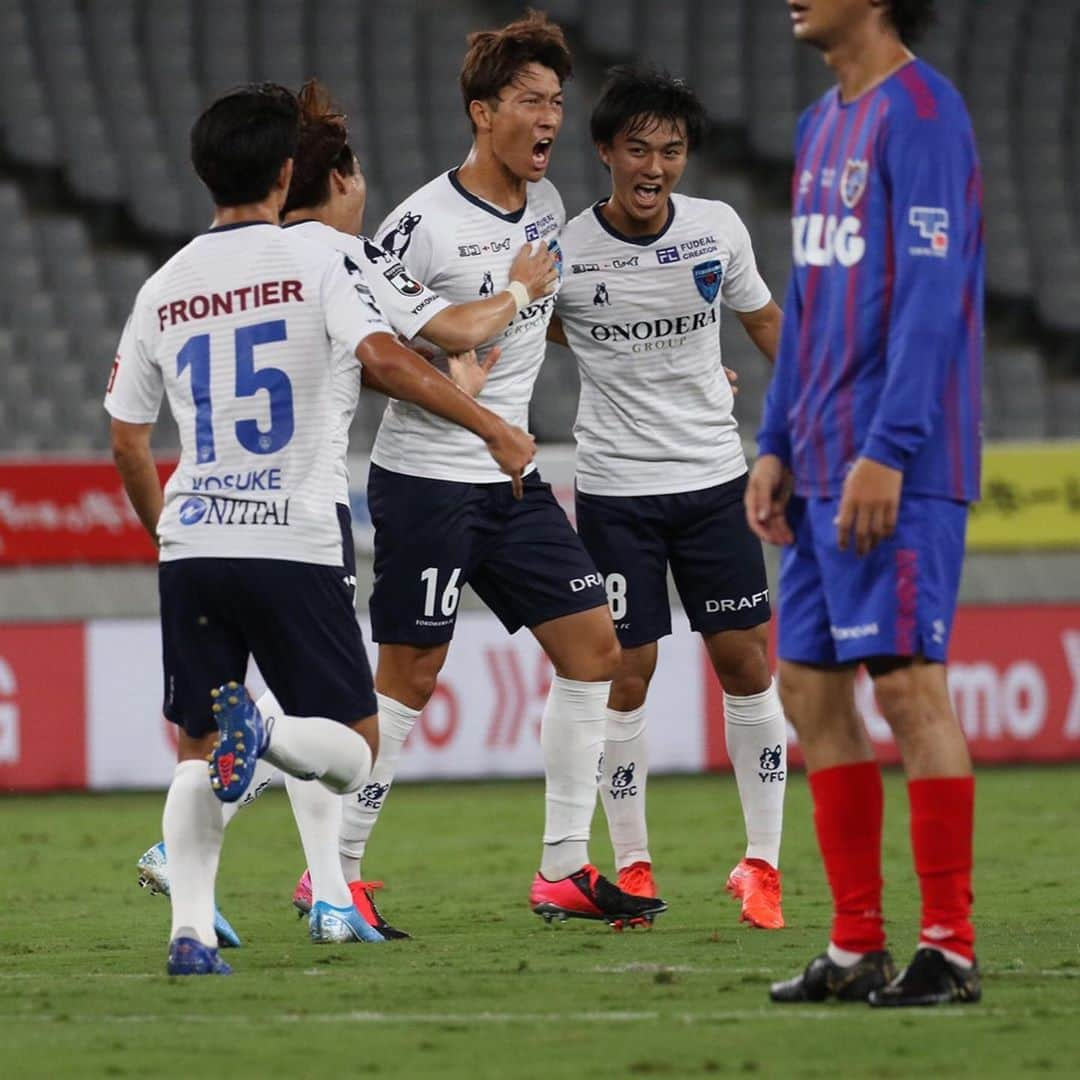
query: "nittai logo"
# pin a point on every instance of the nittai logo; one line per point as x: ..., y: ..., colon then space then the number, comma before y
x: 192, y: 511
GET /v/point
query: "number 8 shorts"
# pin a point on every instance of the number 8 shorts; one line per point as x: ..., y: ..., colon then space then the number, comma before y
x: 432, y: 537
x: 715, y: 559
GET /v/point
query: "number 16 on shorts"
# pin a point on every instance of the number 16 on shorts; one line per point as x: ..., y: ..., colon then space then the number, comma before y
x: 446, y: 603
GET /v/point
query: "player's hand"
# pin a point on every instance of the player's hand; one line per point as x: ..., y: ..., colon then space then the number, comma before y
x: 512, y: 450
x: 733, y: 380
x: 767, y: 493
x: 868, y: 505
x: 469, y: 372
x: 536, y: 270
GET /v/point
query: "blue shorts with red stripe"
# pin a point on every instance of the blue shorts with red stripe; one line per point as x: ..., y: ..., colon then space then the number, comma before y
x: 836, y: 607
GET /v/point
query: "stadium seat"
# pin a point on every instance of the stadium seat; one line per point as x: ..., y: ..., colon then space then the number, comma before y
x: 718, y: 42
x: 554, y: 405
x: 773, y: 62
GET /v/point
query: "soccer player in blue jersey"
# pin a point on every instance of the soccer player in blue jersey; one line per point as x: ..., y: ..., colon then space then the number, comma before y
x: 872, y: 419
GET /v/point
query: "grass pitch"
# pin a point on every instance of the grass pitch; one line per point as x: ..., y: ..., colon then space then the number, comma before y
x: 485, y: 989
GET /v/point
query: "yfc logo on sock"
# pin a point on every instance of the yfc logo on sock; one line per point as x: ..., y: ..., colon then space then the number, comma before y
x: 371, y: 795
x: 622, y: 782
x: 769, y: 764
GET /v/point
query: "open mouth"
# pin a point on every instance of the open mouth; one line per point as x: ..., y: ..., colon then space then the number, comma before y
x: 647, y: 196
x: 798, y: 12
x: 541, y: 152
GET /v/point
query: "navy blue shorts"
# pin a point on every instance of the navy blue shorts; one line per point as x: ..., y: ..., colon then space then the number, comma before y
x: 898, y: 600
x: 296, y: 619
x: 715, y: 559
x: 432, y: 537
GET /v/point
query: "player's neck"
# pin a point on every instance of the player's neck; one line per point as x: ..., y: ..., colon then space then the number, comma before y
x: 617, y: 216
x: 866, y: 59
x: 268, y: 210
x: 489, y: 179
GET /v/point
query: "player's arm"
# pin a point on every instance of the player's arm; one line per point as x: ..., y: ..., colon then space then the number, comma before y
x: 556, y: 332
x: 457, y: 329
x: 466, y: 370
x: 930, y: 168
x: 408, y: 377
x: 769, y: 487
x: 763, y: 328
x: 135, y: 463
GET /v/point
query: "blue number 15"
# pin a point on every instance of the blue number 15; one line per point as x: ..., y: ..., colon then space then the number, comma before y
x: 249, y: 381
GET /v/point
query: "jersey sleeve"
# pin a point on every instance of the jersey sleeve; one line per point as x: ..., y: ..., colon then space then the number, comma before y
x: 928, y: 166
x: 135, y: 386
x: 407, y: 304
x: 350, y: 310
x: 743, y: 288
x: 774, y: 435
x: 407, y: 236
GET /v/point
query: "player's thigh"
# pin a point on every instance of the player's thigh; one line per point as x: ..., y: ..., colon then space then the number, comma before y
x: 804, y: 629
x: 624, y: 536
x: 202, y: 644
x: 819, y: 701
x: 424, y: 538
x: 900, y: 598
x: 534, y: 569
x: 581, y: 646
x: 301, y: 627
x: 716, y: 561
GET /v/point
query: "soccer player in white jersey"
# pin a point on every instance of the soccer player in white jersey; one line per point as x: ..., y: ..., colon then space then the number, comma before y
x: 660, y: 465
x: 326, y: 205
x: 242, y: 330
x: 443, y: 518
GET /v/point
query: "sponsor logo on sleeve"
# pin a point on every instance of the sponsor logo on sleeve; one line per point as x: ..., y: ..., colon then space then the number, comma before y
x: 398, y: 276
x: 932, y: 223
x: 397, y: 240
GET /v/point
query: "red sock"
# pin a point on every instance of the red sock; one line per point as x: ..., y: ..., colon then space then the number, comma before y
x: 848, y: 809
x: 942, y: 821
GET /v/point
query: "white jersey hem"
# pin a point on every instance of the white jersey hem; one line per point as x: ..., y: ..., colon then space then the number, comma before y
x: 608, y: 488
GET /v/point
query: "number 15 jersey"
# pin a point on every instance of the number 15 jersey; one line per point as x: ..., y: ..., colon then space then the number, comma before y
x: 244, y: 330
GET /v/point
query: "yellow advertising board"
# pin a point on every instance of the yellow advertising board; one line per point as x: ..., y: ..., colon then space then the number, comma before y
x: 1030, y: 497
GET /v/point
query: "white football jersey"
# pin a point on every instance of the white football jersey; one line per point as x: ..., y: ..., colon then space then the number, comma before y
x: 642, y: 316
x: 245, y: 330
x: 462, y: 247
x: 407, y: 306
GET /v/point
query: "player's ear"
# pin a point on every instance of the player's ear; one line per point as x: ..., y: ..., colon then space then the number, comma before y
x: 605, y: 155
x: 284, y: 177
x: 480, y: 113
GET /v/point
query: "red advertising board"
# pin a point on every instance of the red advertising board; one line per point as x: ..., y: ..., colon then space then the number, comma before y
x: 1014, y: 673
x: 69, y: 512
x: 42, y: 707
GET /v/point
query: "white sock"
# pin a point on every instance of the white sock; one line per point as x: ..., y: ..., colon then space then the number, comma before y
x: 843, y: 957
x: 260, y: 780
x: 317, y: 811
x: 757, y: 745
x: 360, y: 809
x: 624, y: 771
x: 315, y: 748
x: 572, y: 740
x: 192, y: 828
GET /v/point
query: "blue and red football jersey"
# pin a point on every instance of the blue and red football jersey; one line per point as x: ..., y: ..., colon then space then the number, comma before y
x: 881, y: 351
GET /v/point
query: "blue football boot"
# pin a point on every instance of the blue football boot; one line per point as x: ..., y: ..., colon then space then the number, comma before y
x: 189, y: 956
x: 241, y: 741
x: 339, y: 925
x: 154, y: 875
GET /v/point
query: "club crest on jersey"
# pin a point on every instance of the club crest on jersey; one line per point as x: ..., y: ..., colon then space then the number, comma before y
x: 487, y: 287
x: 707, y: 278
x: 601, y: 297
x: 556, y: 254
x: 397, y: 240
x: 398, y: 276
x: 853, y: 181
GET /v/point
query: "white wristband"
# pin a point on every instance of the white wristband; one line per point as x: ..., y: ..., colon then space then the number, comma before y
x: 520, y: 295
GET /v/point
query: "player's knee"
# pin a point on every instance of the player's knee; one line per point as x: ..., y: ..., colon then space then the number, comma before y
x: 608, y: 658
x: 897, y: 694
x: 628, y: 691
x: 743, y: 665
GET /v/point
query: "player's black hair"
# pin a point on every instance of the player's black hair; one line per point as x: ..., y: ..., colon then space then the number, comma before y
x: 240, y: 142
x: 495, y: 57
x: 909, y: 18
x: 322, y: 147
x: 634, y: 98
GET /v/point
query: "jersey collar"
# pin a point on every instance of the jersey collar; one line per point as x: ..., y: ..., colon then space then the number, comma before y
x: 637, y: 241
x: 238, y: 225
x: 513, y: 217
